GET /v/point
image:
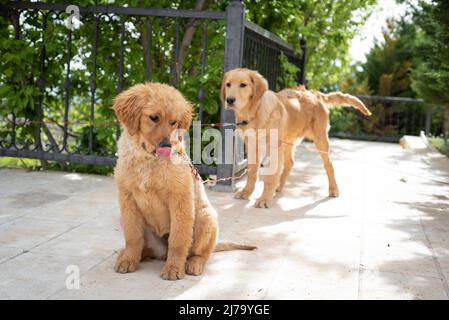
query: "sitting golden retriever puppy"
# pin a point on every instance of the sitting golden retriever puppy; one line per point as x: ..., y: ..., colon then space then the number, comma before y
x: 158, y: 193
x: 295, y: 114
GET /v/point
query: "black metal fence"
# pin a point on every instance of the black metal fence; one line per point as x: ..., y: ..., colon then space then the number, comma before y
x: 262, y: 52
x: 53, y: 130
x: 392, y: 118
x: 67, y: 118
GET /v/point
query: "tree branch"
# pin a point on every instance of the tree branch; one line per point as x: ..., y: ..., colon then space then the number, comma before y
x: 187, y: 39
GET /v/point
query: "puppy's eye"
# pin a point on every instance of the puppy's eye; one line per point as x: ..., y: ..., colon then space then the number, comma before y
x: 228, y: 84
x: 172, y: 123
x: 155, y: 119
x: 242, y: 85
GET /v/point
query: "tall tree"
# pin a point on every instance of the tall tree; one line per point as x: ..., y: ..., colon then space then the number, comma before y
x: 430, y: 76
x: 328, y: 26
x: 387, y: 70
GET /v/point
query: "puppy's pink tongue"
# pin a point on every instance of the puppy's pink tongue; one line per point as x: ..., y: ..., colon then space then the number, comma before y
x: 163, y: 152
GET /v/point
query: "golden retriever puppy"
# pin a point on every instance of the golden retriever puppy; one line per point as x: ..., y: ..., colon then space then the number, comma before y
x: 159, y: 195
x: 294, y: 113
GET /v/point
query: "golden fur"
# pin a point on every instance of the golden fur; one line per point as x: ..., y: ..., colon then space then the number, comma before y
x: 296, y: 113
x: 159, y: 197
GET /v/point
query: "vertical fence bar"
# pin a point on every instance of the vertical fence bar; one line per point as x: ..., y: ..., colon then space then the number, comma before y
x: 13, y: 130
x: 302, y: 62
x: 41, y: 86
x: 120, y: 71
x: 275, y: 67
x: 67, y: 86
x: 270, y: 67
x: 245, y: 50
x: 407, y: 118
x: 390, y: 119
x: 203, y: 64
x: 16, y: 24
x: 175, y: 66
x: 428, y: 126
x: 254, y: 54
x: 148, y: 51
x: 263, y: 66
x: 235, y: 28
x: 93, y: 84
x: 257, y: 54
x: 413, y: 121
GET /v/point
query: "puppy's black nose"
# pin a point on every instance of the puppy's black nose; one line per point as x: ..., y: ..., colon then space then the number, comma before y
x: 165, y: 144
x: 230, y: 100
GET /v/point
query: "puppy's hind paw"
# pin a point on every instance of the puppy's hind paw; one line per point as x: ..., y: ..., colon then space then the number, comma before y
x: 333, y: 193
x: 263, y: 203
x: 279, y: 189
x: 242, y: 194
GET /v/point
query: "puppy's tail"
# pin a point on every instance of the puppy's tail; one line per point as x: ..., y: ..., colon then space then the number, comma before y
x: 346, y: 100
x: 228, y: 246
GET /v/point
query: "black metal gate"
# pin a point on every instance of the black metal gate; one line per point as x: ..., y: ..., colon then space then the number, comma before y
x: 45, y: 130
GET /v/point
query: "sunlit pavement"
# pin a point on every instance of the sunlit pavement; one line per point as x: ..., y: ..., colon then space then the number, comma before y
x: 385, y: 237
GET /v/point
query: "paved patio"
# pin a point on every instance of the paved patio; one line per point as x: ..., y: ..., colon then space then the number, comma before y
x: 385, y: 237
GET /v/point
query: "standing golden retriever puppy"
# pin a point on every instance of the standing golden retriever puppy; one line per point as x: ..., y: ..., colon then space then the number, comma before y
x: 294, y: 113
x: 159, y: 195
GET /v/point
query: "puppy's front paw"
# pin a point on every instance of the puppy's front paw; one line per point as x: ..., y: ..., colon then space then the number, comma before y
x: 263, y: 202
x: 172, y: 272
x: 124, y: 264
x: 242, y: 194
x: 195, y: 266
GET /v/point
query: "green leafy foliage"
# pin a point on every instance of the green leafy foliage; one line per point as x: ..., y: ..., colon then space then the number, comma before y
x: 441, y: 144
x: 431, y: 72
x: 388, y: 72
x: 387, y: 69
x: 328, y: 26
x: 289, y: 72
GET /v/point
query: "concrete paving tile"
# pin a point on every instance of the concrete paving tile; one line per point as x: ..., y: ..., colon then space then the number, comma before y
x: 97, y: 237
x: 7, y: 253
x: 102, y: 282
x: 442, y: 254
x: 8, y: 214
x: 306, y: 279
x: 73, y: 210
x: 26, y: 233
x: 397, y: 286
x: 38, y: 276
x: 236, y: 275
x: 409, y: 256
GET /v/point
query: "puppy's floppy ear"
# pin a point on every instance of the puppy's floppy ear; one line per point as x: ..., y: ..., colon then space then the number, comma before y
x: 223, y: 88
x: 128, y: 110
x: 186, y: 119
x: 260, y: 85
